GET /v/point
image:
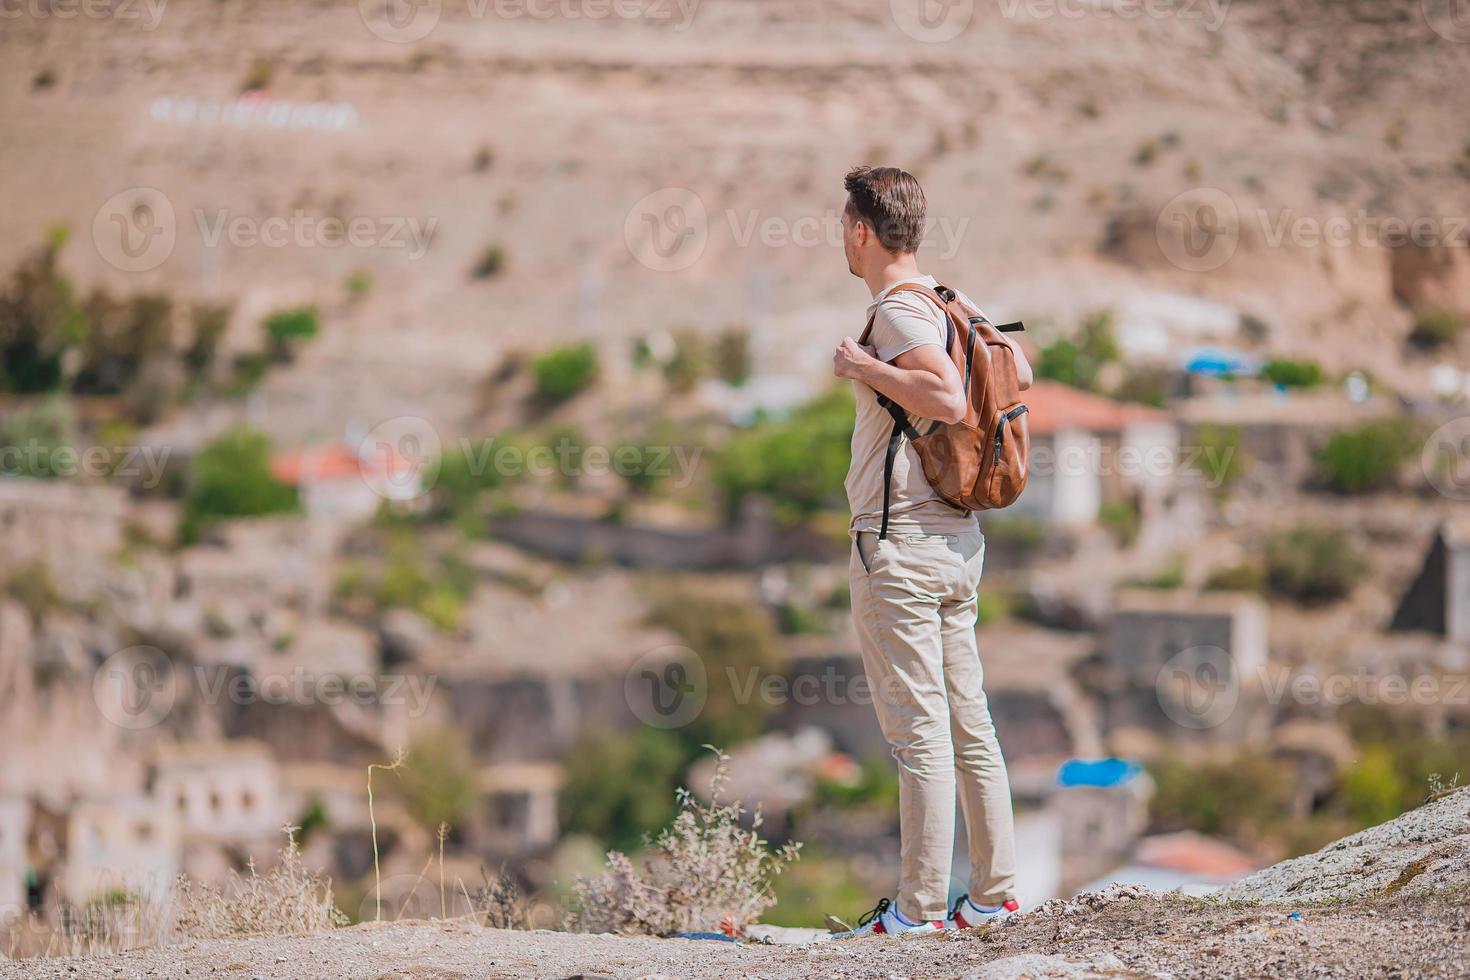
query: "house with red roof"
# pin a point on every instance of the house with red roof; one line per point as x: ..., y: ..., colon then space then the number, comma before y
x: 1087, y: 450
x: 340, y: 482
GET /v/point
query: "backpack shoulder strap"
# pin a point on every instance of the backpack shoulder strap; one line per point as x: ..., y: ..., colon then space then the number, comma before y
x: 941, y: 296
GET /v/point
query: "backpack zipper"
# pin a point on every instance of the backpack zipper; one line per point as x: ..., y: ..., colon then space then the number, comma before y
x: 1005, y: 418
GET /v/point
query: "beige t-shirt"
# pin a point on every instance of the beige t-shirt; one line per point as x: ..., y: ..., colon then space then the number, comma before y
x: 904, y: 320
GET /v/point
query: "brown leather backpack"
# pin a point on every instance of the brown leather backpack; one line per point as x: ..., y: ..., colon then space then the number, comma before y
x: 980, y: 462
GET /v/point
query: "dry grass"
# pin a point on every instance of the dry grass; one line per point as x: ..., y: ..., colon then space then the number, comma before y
x: 704, y: 873
x: 119, y: 920
x: 287, y: 900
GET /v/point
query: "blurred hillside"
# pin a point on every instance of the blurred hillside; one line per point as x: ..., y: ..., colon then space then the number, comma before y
x: 1048, y: 146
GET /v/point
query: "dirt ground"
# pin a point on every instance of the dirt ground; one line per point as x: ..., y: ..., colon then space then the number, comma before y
x: 1148, y: 936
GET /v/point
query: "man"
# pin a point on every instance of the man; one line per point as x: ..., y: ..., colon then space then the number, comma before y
x: 913, y: 593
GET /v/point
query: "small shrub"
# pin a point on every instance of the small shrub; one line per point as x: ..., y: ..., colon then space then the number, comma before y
x: 1171, y: 576
x: 437, y: 779
x: 732, y: 356
x: 32, y: 586
x: 209, y: 322
x: 1246, y: 799
x: 1253, y: 329
x: 704, y: 873
x: 564, y: 372
x: 38, y: 440
x: 359, y: 284
x: 1146, y: 153
x: 1121, y: 517
x: 1077, y: 361
x: 1434, y: 329
x: 1313, y: 565
x: 484, y: 160
x: 1292, y: 373
x: 1245, y: 577
x: 620, y: 787
x: 231, y: 478
x: 1368, y: 457
x: 287, y: 328
x: 289, y: 900
x: 690, y: 361
x: 800, y: 462
x: 259, y: 76
x: 491, y: 263
x: 1221, y: 458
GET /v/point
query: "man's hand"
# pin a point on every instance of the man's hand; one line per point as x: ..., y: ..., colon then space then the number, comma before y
x: 851, y: 358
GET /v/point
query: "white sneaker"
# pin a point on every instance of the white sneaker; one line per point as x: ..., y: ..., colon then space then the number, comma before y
x: 885, y: 920
x: 967, y: 915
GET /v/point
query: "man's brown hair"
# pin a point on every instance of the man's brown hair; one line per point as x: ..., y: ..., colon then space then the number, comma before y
x: 891, y: 202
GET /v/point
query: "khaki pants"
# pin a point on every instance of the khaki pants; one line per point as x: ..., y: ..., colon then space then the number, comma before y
x: 913, y: 599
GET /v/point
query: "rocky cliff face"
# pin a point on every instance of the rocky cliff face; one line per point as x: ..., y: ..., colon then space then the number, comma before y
x: 1425, y: 851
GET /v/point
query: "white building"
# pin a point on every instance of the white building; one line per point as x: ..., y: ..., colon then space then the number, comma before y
x: 1087, y: 450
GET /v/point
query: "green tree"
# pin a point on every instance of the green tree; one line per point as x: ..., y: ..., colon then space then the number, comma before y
x: 40, y: 318
x: 1292, y: 373
x: 438, y: 779
x: 1373, y: 790
x: 1076, y: 362
x: 1368, y: 457
x: 1313, y: 565
x: 231, y: 477
x: 739, y: 647
x: 564, y: 372
x: 286, y: 329
x: 32, y: 439
x: 620, y: 786
x: 800, y: 463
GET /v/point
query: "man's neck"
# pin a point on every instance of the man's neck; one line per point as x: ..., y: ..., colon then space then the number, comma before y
x: 901, y: 267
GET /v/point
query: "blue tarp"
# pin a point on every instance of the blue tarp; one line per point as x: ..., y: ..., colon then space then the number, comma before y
x: 1097, y: 772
